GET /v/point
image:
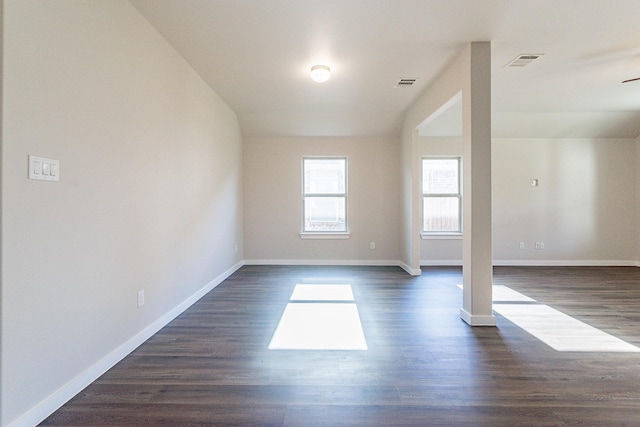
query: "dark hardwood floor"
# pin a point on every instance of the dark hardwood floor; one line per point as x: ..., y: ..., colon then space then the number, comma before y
x: 424, y: 366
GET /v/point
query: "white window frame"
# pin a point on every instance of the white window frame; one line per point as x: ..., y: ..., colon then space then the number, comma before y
x: 342, y: 234
x: 441, y: 234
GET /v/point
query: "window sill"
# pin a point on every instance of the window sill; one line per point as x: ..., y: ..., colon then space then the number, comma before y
x: 325, y: 235
x: 441, y: 236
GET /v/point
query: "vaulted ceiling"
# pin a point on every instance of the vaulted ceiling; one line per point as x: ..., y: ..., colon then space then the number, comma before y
x: 256, y: 54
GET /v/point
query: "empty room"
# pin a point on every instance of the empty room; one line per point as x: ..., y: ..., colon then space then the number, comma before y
x: 338, y: 212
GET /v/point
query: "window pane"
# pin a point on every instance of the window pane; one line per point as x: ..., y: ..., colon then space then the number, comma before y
x: 441, y: 214
x: 324, y: 214
x: 324, y: 176
x: 440, y: 176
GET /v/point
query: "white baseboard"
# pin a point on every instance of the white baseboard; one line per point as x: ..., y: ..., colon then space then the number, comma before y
x: 567, y: 263
x: 538, y: 263
x: 441, y: 262
x: 411, y: 271
x: 329, y: 262
x: 49, y: 405
x: 359, y: 262
x: 476, y: 320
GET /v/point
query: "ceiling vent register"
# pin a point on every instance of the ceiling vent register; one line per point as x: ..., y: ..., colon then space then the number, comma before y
x: 523, y: 60
x: 406, y: 82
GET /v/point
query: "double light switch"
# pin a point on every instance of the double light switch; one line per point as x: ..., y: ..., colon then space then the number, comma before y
x: 44, y: 169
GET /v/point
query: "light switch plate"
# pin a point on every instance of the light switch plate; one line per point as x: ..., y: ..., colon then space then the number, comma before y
x: 44, y: 169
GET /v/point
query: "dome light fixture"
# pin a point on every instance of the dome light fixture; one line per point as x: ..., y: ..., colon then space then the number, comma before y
x: 320, y: 73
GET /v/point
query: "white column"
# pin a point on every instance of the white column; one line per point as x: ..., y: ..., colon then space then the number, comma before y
x: 477, y: 262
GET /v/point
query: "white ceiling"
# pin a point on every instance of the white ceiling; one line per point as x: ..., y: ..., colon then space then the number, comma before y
x: 256, y: 54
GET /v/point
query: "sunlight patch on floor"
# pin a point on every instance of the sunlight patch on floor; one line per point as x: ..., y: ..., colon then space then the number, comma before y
x: 322, y: 293
x: 502, y: 293
x: 560, y: 331
x: 556, y: 329
x: 320, y: 317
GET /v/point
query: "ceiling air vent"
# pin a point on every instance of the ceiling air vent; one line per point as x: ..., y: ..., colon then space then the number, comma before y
x: 523, y: 60
x: 406, y: 82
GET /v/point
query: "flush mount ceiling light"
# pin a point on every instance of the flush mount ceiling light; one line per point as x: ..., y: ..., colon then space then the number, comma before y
x: 320, y: 73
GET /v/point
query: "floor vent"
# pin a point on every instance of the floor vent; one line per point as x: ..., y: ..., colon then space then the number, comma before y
x: 406, y: 82
x: 523, y: 60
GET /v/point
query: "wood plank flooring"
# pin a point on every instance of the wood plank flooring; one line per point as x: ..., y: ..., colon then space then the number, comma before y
x: 424, y: 366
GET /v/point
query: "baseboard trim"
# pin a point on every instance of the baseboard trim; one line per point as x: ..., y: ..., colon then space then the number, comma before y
x: 329, y: 262
x: 567, y: 263
x: 374, y: 262
x: 441, y: 262
x: 538, y: 263
x: 49, y: 405
x: 476, y: 320
x: 411, y: 271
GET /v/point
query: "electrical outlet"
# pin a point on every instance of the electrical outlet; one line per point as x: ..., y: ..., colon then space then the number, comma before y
x: 140, y: 298
x: 521, y: 245
x: 540, y: 246
x: 372, y: 245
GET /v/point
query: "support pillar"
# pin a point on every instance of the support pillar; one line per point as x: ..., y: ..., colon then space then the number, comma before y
x: 477, y: 254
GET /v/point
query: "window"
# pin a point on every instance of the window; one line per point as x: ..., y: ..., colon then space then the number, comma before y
x: 441, y: 195
x: 324, y: 195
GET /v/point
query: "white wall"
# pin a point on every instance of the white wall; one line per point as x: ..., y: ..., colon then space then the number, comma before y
x: 272, y: 199
x: 149, y: 196
x: 582, y: 210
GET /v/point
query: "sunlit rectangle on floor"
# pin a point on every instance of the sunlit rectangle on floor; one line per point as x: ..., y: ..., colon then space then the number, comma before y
x: 560, y: 331
x: 556, y: 329
x: 319, y: 326
x: 321, y: 292
x: 503, y: 293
